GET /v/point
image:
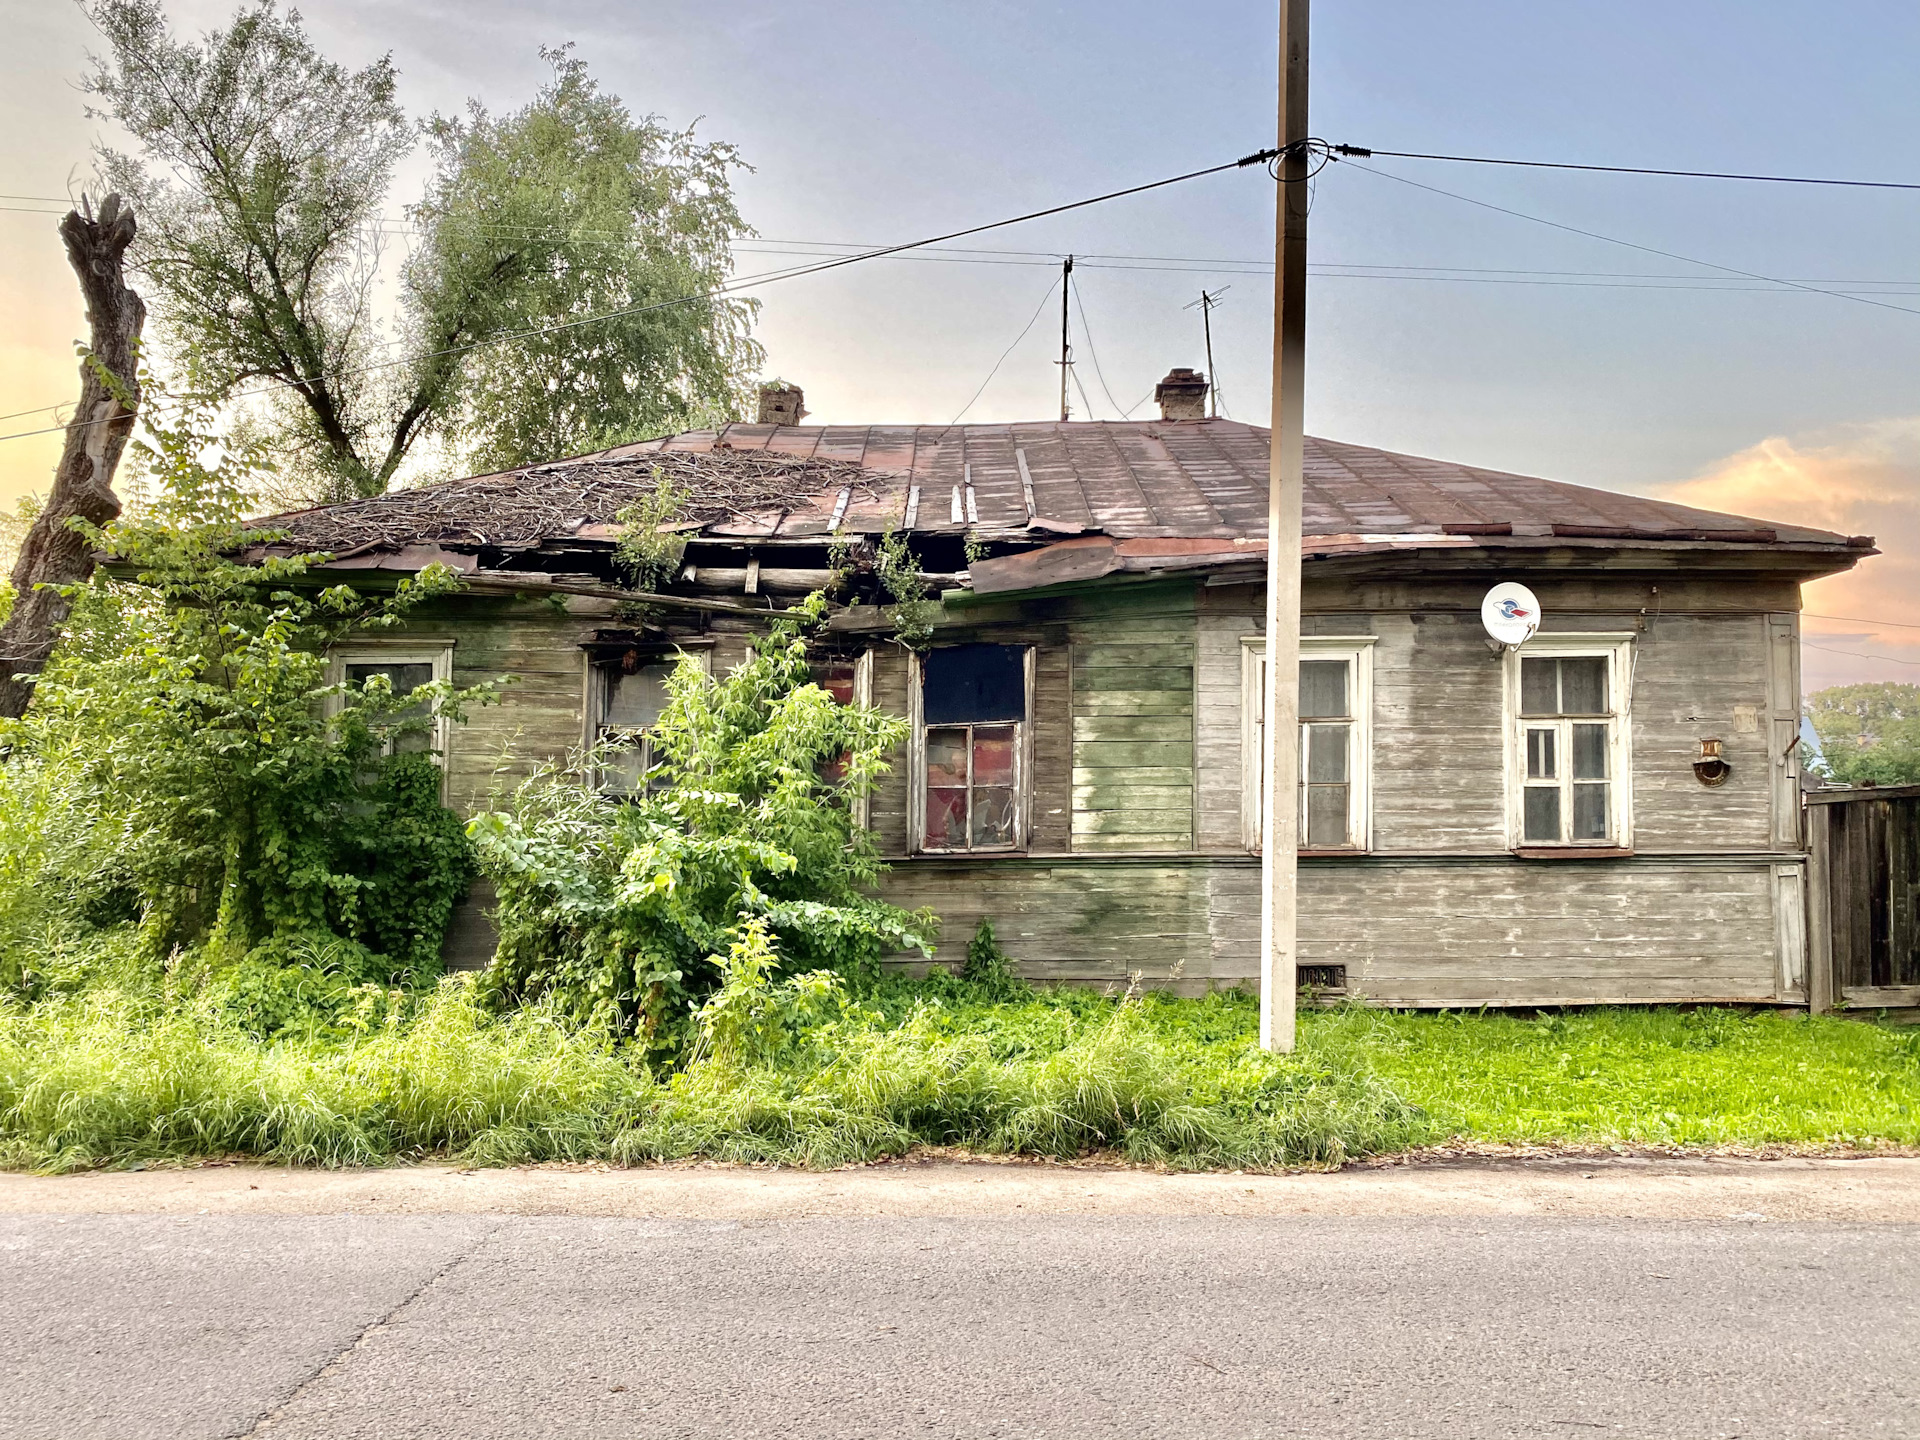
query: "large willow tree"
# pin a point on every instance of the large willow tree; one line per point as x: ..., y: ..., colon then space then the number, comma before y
x: 260, y: 170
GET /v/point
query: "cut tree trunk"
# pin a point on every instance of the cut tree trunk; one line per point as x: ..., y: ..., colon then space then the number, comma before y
x: 54, y: 554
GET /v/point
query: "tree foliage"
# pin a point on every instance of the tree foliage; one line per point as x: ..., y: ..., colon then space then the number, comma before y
x: 260, y: 170
x: 1869, y: 734
x: 622, y: 912
x: 216, y: 795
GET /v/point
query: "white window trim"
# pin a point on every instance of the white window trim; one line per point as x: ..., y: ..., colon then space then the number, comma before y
x: 1357, y: 650
x: 593, y: 693
x: 917, y: 766
x: 1617, y: 647
x: 414, y: 650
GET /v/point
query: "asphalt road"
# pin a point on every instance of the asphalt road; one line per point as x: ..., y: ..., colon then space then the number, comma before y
x: 128, y: 1326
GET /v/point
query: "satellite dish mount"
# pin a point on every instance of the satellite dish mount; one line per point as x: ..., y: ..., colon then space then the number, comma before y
x: 1510, y: 614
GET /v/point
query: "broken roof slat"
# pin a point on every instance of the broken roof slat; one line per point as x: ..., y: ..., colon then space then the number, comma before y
x: 1132, y: 480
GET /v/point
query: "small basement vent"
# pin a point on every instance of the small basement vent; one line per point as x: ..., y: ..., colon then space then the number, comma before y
x: 1322, y: 977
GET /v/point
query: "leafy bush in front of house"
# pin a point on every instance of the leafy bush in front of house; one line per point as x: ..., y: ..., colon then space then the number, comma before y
x: 620, y: 911
x: 188, y: 803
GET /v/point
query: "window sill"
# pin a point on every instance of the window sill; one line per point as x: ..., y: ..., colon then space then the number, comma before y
x: 1343, y: 852
x: 1571, y: 852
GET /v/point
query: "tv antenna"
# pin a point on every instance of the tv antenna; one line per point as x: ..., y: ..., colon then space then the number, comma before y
x: 1208, y: 302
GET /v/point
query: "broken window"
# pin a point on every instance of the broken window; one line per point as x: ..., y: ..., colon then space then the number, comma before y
x: 849, y: 682
x: 631, y: 694
x: 1336, y: 687
x: 1569, y: 743
x: 405, y: 668
x: 973, y: 723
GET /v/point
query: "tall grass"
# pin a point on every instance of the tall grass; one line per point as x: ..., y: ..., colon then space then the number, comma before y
x: 112, y: 1077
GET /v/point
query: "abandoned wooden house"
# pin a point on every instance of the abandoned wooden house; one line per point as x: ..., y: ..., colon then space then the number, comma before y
x: 1480, y: 825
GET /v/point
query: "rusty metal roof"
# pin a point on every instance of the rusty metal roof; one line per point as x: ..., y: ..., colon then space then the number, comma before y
x: 1131, y: 481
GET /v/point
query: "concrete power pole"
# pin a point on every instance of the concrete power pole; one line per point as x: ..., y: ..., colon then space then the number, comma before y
x: 1280, y: 761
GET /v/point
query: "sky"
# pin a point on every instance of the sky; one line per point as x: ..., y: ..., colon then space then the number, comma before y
x: 1438, y: 325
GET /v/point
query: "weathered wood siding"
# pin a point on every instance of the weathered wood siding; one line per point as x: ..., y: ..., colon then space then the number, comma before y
x: 1133, y: 724
x: 1411, y: 932
x: 1138, y: 862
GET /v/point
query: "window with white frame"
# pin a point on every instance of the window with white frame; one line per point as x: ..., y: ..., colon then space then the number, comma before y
x: 405, y: 666
x: 626, y: 693
x: 1336, y: 740
x: 972, y: 706
x: 1568, y: 749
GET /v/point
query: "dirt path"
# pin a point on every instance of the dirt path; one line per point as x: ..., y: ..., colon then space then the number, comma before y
x: 1859, y: 1190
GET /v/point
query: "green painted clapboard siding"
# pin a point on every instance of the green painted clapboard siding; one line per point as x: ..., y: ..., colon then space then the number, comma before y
x: 1133, y: 726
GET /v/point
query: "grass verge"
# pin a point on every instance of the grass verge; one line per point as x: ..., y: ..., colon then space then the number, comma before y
x: 103, y: 1079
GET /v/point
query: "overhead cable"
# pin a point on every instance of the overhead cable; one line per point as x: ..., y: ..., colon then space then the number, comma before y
x: 1258, y: 157
x: 1345, y: 152
x: 1631, y: 244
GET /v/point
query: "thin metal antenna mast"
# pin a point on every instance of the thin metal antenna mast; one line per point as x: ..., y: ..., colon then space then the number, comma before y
x: 1066, y: 348
x: 1206, y: 305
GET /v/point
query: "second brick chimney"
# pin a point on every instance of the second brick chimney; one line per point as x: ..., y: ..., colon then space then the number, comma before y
x: 781, y: 403
x: 1182, y: 395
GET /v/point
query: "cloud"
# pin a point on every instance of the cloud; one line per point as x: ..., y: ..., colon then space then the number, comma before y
x: 1857, y: 480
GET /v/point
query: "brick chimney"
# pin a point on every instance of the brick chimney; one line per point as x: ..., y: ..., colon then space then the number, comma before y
x: 1182, y: 395
x: 781, y: 403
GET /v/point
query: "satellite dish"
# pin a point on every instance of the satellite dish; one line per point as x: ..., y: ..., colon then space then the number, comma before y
x: 1510, y: 613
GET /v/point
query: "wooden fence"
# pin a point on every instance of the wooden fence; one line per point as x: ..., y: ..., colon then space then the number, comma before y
x: 1863, y: 897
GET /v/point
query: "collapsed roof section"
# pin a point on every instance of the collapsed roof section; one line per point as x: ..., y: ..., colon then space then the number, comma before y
x: 1051, y: 503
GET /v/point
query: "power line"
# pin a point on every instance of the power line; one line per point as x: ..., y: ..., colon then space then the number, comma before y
x: 1632, y: 245
x: 1099, y: 374
x: 1009, y: 350
x: 1858, y: 654
x: 1860, y: 620
x: 1347, y: 151
x: 769, y: 277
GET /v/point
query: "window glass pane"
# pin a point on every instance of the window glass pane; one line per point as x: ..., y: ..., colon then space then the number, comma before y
x: 636, y: 699
x: 993, y: 815
x: 1543, y: 813
x: 974, y: 682
x: 626, y: 767
x: 1326, y: 815
x: 1326, y: 754
x: 993, y: 755
x: 836, y: 678
x: 1583, y: 685
x: 946, y: 819
x: 1590, y: 752
x: 946, y: 757
x: 404, y: 679
x: 1541, y: 761
x: 1539, y: 688
x: 1323, y: 689
x: 1589, y: 812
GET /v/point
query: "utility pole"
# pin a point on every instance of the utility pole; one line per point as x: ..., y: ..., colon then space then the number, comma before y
x: 1066, y: 349
x: 1280, y: 760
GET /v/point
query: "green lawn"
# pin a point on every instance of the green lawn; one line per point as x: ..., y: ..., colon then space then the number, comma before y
x: 103, y: 1079
x: 1646, y: 1077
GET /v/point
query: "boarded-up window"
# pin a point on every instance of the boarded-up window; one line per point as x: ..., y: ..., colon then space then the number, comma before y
x: 1567, y: 726
x: 1335, y: 749
x: 972, y: 750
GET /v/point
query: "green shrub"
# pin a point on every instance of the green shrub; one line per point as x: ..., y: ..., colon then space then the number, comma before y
x: 186, y: 772
x: 620, y: 912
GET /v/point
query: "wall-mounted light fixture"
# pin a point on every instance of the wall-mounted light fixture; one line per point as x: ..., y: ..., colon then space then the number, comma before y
x: 1711, y: 768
